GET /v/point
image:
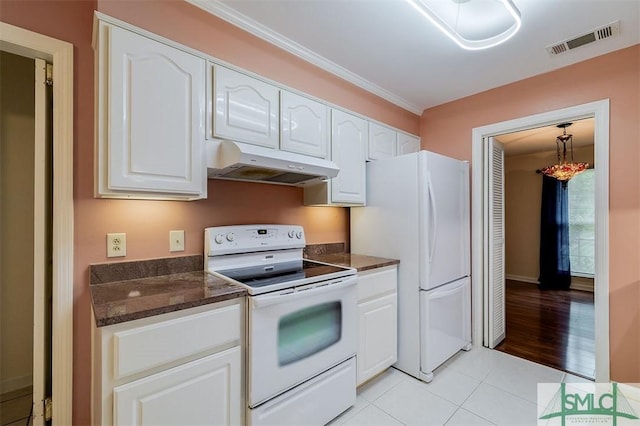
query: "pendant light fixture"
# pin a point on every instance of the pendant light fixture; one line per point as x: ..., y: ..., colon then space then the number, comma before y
x: 564, y: 170
x: 472, y: 24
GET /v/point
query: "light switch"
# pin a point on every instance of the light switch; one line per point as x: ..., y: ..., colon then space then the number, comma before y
x: 176, y: 240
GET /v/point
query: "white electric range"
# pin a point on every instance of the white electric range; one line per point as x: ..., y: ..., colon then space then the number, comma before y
x: 301, y: 323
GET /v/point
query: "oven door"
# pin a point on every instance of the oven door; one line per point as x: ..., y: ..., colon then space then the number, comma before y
x: 294, y: 336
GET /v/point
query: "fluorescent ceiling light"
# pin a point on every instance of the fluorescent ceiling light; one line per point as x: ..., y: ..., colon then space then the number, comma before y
x: 472, y: 24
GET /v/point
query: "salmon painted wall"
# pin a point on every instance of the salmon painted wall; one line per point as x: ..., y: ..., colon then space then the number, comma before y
x: 147, y: 223
x: 616, y: 76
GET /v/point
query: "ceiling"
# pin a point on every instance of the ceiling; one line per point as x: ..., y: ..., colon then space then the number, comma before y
x: 386, y: 47
x: 543, y: 139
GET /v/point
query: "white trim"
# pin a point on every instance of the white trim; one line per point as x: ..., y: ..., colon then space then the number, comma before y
x: 232, y: 16
x: 479, y: 262
x: 600, y: 111
x: 40, y: 236
x: 581, y: 275
x: 28, y: 43
x: 582, y: 285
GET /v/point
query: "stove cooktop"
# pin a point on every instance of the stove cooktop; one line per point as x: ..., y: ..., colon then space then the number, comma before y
x: 266, y: 278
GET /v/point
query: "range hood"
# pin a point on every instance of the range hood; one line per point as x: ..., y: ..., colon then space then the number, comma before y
x: 241, y: 161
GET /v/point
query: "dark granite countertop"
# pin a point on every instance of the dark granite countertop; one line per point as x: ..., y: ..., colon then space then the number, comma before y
x: 126, y: 291
x: 352, y: 260
x: 122, y: 301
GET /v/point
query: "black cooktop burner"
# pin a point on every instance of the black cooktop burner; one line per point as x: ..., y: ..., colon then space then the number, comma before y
x: 281, y: 273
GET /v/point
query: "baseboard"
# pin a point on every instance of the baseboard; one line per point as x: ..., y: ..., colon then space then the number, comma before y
x: 582, y: 284
x: 522, y: 279
x: 577, y: 283
x: 14, y: 383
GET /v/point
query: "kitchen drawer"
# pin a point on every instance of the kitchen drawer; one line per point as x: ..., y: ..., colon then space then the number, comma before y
x: 152, y: 345
x: 377, y: 282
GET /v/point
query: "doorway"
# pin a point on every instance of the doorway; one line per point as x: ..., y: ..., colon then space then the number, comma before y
x: 25, y: 231
x: 33, y: 45
x: 486, y: 300
x: 555, y: 326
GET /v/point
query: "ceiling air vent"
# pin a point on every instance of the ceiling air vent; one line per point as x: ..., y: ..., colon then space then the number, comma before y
x: 597, y: 34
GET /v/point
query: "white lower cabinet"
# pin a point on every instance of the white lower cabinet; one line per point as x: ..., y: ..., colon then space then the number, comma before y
x: 181, y: 368
x: 377, y: 321
x: 205, y: 391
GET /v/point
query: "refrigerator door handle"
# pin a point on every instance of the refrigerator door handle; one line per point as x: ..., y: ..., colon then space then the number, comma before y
x: 434, y: 229
x: 440, y: 293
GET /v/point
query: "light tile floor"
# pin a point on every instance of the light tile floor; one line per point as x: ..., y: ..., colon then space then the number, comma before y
x: 479, y: 387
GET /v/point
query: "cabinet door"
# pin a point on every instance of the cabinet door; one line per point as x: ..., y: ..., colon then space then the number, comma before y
x: 348, y: 138
x: 246, y: 109
x: 205, y: 391
x: 382, y: 142
x: 377, y: 336
x: 407, y: 144
x: 304, y: 125
x: 156, y: 101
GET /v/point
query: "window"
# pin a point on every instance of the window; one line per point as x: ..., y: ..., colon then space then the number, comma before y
x: 582, y: 224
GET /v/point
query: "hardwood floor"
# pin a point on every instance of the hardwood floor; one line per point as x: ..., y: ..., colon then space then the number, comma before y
x: 554, y: 328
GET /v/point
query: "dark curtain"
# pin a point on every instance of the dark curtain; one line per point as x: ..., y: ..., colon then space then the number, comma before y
x: 555, y: 271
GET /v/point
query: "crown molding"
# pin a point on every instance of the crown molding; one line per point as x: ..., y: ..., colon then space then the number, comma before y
x: 222, y: 11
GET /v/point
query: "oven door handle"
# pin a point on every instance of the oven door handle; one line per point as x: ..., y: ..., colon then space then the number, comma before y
x: 268, y: 300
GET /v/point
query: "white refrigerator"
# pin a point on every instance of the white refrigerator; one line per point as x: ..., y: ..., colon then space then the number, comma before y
x: 418, y: 212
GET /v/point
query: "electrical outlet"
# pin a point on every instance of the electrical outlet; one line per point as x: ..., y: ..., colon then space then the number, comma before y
x: 176, y: 240
x: 117, y: 244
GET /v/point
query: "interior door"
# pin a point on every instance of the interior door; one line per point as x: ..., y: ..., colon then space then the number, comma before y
x: 494, y: 241
x: 42, y: 244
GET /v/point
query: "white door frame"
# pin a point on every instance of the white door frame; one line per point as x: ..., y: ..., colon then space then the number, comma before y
x: 41, y: 254
x: 599, y: 110
x: 27, y: 43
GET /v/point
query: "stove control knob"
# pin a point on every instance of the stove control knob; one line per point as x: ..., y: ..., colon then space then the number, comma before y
x: 299, y: 235
x: 219, y: 239
x: 292, y: 233
x: 230, y: 236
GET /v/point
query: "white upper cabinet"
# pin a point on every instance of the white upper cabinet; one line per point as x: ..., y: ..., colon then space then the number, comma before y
x: 304, y: 125
x: 150, y: 118
x: 407, y: 144
x: 348, y: 139
x: 382, y: 142
x: 246, y: 109
x: 349, y: 134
